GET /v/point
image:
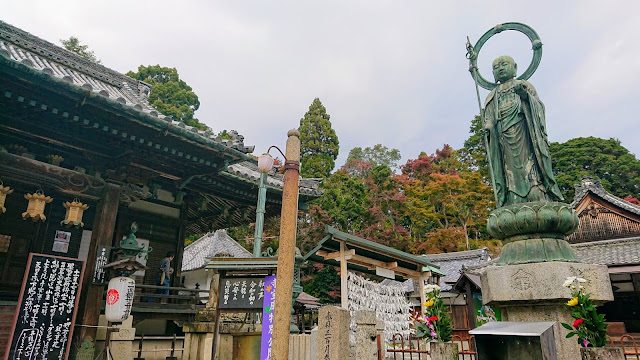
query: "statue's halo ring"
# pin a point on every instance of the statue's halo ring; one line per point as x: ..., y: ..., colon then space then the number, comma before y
x: 536, y: 45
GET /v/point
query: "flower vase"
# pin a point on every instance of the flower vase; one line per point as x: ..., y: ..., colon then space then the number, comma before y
x: 443, y: 351
x: 601, y: 353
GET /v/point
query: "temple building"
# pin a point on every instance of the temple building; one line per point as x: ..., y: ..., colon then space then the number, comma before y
x: 83, y: 156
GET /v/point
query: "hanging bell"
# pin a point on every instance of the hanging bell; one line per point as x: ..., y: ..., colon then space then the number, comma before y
x: 4, y: 191
x: 75, y: 211
x: 35, y: 208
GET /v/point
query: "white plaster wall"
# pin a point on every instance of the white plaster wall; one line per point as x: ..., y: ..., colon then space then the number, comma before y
x: 200, y: 276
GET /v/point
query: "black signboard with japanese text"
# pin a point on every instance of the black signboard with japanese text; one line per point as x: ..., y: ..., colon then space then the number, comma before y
x: 46, y: 309
x: 241, y: 293
x: 102, y: 258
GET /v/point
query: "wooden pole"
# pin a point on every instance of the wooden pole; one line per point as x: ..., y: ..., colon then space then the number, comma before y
x: 344, y: 291
x: 471, y: 309
x: 286, y: 251
x: 216, y: 320
x: 423, y: 297
x: 102, y: 235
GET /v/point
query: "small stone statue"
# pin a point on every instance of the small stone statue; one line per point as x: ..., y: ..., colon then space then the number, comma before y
x: 516, y: 138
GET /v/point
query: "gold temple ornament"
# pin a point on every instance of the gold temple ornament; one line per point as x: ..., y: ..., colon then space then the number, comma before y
x: 35, y: 208
x: 4, y: 191
x: 75, y: 211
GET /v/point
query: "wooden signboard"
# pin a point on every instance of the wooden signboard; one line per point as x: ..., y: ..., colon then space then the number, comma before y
x: 102, y: 258
x: 241, y: 293
x: 46, y: 310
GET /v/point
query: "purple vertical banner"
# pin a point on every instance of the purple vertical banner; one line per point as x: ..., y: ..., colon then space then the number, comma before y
x: 267, y: 317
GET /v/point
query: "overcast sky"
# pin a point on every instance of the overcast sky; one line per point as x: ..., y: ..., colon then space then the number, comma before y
x: 391, y: 72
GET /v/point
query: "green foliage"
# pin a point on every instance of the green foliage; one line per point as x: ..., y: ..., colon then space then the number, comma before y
x: 319, y: 142
x: 474, y: 153
x: 224, y: 134
x: 344, y: 201
x: 436, y: 325
x: 608, y: 160
x: 169, y: 94
x: 377, y: 155
x: 73, y: 44
x: 589, y: 326
x: 191, y: 238
x: 324, y: 284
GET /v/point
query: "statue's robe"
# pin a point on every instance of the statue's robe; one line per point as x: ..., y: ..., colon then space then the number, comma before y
x: 518, y: 147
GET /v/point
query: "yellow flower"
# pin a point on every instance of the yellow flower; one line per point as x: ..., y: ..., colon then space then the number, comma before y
x: 573, y: 302
x: 428, y: 303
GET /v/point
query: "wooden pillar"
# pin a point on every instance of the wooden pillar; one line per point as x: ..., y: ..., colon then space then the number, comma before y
x: 344, y: 291
x: 471, y: 310
x: 423, y: 296
x: 102, y: 235
x: 180, y: 247
x: 286, y: 250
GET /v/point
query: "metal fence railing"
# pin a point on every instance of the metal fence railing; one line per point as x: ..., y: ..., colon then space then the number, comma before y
x: 416, y: 349
x: 172, y: 350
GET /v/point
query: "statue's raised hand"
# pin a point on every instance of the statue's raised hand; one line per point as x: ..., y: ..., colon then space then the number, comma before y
x: 522, y: 90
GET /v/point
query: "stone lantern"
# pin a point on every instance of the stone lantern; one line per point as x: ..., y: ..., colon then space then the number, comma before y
x: 35, y: 208
x: 75, y: 211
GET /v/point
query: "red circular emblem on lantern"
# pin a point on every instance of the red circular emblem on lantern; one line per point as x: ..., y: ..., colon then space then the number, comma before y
x: 112, y: 296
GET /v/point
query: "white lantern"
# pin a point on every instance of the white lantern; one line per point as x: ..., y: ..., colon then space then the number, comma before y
x: 265, y: 163
x: 119, y: 299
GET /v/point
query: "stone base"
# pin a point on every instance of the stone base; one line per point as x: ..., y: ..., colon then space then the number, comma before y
x: 603, y: 353
x: 198, y: 340
x: 443, y: 351
x: 534, y: 292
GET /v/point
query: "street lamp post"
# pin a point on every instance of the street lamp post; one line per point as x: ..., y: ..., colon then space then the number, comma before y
x: 265, y: 163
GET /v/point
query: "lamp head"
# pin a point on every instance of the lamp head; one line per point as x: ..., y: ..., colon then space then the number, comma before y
x: 265, y: 163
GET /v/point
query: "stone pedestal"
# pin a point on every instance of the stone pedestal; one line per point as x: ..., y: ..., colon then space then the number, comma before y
x: 333, y: 333
x: 121, y: 340
x: 443, y: 351
x: 603, y: 353
x: 198, y: 340
x: 534, y: 292
x: 366, y: 335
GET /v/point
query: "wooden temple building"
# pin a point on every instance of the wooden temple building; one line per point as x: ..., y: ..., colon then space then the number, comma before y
x: 73, y: 130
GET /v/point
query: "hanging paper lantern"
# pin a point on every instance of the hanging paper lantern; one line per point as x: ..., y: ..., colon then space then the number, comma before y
x: 75, y: 210
x: 35, y: 209
x: 119, y: 299
x: 4, y: 191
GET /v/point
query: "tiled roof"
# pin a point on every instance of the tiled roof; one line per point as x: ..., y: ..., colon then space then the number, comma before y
x: 453, y: 263
x: 589, y: 184
x: 36, y: 53
x: 249, y: 171
x: 610, y: 252
x: 199, y: 253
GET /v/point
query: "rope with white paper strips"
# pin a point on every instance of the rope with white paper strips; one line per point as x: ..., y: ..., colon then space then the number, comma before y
x: 389, y: 303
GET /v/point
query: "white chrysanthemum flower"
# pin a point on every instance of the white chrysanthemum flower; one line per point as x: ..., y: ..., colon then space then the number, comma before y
x: 431, y: 288
x: 569, y: 281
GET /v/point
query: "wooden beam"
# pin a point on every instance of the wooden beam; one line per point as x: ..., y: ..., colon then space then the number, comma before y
x: 373, y: 262
x: 64, y: 180
x: 321, y: 253
x: 339, y: 254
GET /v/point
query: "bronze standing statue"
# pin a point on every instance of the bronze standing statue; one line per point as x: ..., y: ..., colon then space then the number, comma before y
x: 530, y: 218
x: 515, y: 131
